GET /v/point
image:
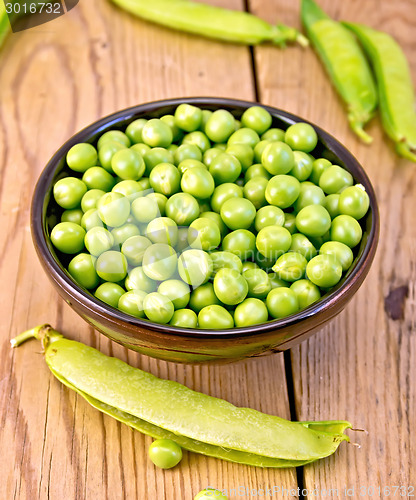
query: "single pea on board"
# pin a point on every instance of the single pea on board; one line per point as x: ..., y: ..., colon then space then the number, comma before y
x: 168, y: 236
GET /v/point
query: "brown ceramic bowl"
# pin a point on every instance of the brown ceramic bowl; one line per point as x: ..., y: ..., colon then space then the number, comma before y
x: 193, y: 345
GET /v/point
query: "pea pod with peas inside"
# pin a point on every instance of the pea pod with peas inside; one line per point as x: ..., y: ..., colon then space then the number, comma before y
x: 395, y: 88
x: 212, y: 22
x: 345, y: 63
x: 197, y: 422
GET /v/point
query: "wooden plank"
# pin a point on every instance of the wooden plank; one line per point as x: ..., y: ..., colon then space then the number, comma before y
x: 54, y: 80
x: 361, y: 367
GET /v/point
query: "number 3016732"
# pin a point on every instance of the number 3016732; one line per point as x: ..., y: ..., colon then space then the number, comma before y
x: 34, y: 8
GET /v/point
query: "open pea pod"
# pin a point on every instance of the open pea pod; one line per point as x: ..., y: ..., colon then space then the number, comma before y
x: 395, y: 87
x: 211, y: 21
x: 167, y: 409
x: 345, y: 63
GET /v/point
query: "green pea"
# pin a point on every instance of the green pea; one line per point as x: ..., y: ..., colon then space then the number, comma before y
x: 68, y: 237
x: 68, y: 192
x: 244, y: 154
x: 318, y: 167
x: 124, y: 232
x: 225, y: 168
x: 256, y: 118
x: 145, y: 210
x: 132, y: 303
x: 342, y: 252
x: 301, y: 136
x: 134, y: 130
x: 309, y: 195
x: 278, y: 158
x: 332, y: 205
x: 203, y: 296
x: 204, y: 234
x: 91, y: 219
x: 249, y: 265
x: 250, y: 312
x: 258, y: 283
x: 90, y: 199
x: 228, y: 260
x: 244, y: 135
x: 184, y: 318
x: 206, y: 115
x: 346, y: 229
x: 290, y: 223
x: 254, y: 190
x: 82, y: 269
x: 182, y: 243
x: 230, y: 287
x: 273, y: 134
x: 195, y: 267
x: 215, y: 317
x: 291, y: 266
x: 190, y: 163
x: 159, y: 261
x: 144, y: 184
x: 81, y: 157
x: 98, y: 240
x: 162, y: 230
x: 113, y: 209
x: 111, y: 266
x: 158, y: 308
x: 109, y: 293
x: 256, y: 170
x: 165, y: 179
x: 165, y: 453
x: 276, y: 282
x: 198, y: 182
x: 210, y: 154
x: 182, y: 208
x: 133, y: 249
x: 106, y: 153
x: 72, y: 215
x: 156, y: 156
x: 282, y: 302
x: 187, y: 151
x: 282, y: 191
x: 354, y: 201
x: 303, y: 165
x: 176, y: 291
x: 188, y: 117
x: 114, y: 135
x: 273, y: 241
x: 98, y: 178
x: 210, y: 493
x: 238, y: 213
x: 128, y: 188
x: 161, y: 201
x: 241, y: 243
x: 313, y: 220
x: 301, y: 244
x: 306, y: 292
x: 217, y: 219
x: 224, y: 192
x: 324, y: 270
x: 156, y: 133
x: 128, y: 164
x: 335, y: 178
x: 269, y: 216
x: 259, y: 149
x: 138, y: 280
x: 197, y: 138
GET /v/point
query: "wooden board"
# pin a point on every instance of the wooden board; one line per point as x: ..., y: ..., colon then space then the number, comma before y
x: 59, y: 77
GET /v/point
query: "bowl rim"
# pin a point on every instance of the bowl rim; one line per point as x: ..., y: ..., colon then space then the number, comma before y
x: 87, y: 300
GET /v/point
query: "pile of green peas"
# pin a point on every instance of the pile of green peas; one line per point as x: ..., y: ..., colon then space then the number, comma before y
x: 198, y: 219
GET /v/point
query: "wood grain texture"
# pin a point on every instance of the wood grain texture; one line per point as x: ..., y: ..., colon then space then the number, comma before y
x: 363, y: 366
x: 54, y: 80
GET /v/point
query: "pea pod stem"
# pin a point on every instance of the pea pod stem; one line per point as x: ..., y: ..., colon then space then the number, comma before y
x: 212, y: 22
x: 166, y: 409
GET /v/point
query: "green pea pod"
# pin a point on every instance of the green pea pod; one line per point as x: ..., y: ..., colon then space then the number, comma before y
x: 397, y: 97
x: 345, y: 63
x: 212, y: 22
x: 167, y: 409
